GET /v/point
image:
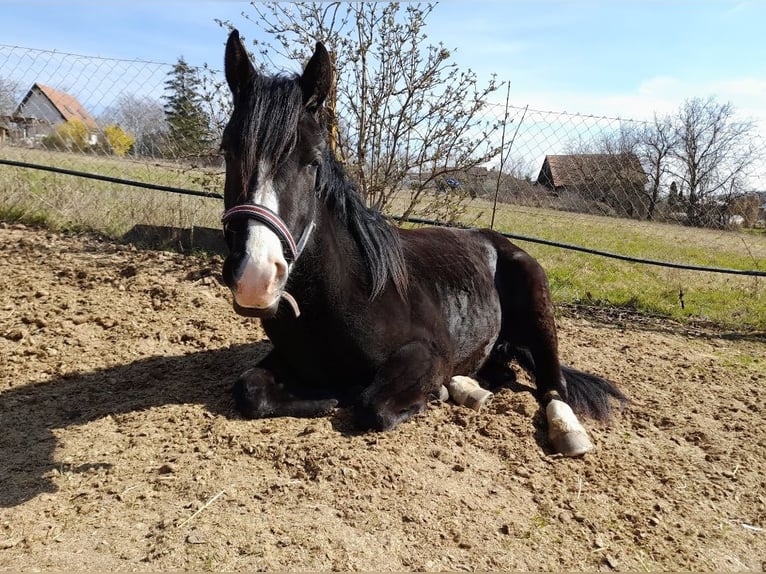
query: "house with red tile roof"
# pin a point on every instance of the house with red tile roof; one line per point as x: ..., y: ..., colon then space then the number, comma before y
x: 43, y: 108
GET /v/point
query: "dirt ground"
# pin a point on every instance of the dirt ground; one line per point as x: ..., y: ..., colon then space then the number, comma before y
x: 120, y: 449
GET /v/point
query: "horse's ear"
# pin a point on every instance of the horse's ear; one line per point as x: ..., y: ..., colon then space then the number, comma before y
x: 239, y: 68
x: 316, y: 79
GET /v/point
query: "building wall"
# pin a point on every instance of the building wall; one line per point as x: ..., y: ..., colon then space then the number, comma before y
x: 39, y: 114
x: 545, y: 177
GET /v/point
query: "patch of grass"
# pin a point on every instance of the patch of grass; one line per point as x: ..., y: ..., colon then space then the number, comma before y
x: 743, y: 360
x: 539, y: 521
x: 63, y: 201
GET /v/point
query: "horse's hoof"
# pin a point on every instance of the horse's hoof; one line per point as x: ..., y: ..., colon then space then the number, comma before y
x: 571, y: 443
x: 467, y: 392
x: 565, y: 432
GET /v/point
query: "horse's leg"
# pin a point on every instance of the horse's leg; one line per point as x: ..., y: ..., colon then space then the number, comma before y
x: 402, y: 386
x: 529, y: 327
x: 468, y: 392
x: 565, y: 432
x: 263, y: 392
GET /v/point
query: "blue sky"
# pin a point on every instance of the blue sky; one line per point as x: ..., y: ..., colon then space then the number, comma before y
x: 625, y: 58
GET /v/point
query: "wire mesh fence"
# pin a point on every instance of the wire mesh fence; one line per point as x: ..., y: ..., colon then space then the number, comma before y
x: 597, y: 182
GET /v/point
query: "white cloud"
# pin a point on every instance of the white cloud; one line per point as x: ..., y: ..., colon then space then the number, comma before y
x: 661, y: 95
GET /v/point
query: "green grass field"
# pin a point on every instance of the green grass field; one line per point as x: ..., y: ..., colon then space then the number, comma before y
x: 64, y: 202
x: 69, y: 203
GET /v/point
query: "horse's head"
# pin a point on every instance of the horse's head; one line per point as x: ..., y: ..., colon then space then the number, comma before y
x: 273, y: 145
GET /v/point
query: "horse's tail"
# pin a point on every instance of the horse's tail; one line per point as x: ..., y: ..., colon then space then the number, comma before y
x: 591, y: 395
x: 588, y: 394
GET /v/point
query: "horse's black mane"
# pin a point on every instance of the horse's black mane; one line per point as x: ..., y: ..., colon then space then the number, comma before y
x: 378, y: 241
x: 276, y: 105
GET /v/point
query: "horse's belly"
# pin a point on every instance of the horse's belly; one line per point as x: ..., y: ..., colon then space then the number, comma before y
x: 474, y: 324
x: 457, y: 269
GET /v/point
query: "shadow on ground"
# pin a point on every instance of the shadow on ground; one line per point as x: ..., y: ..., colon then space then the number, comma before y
x: 185, y: 240
x: 30, y: 414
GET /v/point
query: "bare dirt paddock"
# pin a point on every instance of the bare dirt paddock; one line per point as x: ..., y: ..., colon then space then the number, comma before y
x: 120, y: 450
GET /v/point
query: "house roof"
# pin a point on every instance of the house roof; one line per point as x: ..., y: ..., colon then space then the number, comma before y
x: 579, y: 169
x: 66, y: 105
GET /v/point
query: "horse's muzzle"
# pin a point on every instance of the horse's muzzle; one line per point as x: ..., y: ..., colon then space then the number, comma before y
x: 256, y: 285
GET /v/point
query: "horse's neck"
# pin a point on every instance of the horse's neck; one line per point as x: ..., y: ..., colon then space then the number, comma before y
x: 332, y: 261
x: 335, y: 211
x: 355, y: 251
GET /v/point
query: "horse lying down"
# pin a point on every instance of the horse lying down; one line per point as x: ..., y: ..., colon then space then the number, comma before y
x: 360, y: 312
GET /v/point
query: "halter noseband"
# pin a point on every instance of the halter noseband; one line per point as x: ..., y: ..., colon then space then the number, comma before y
x: 290, y: 248
x: 263, y: 214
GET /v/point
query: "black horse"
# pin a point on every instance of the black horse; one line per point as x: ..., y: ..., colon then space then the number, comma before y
x: 360, y: 311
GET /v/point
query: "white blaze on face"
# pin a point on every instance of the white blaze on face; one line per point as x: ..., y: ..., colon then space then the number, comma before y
x: 264, y: 269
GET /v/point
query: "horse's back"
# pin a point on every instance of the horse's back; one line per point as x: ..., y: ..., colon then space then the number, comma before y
x: 449, y: 252
x: 461, y: 255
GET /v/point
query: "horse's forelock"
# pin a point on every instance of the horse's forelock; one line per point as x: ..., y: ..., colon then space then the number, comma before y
x: 273, y: 106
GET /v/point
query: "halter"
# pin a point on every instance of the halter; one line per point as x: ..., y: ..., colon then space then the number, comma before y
x: 290, y: 249
x: 263, y: 214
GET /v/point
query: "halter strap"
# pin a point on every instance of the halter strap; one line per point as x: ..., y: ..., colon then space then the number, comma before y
x: 263, y: 214
x: 290, y: 248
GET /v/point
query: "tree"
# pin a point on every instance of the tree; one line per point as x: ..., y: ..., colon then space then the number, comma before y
x: 141, y: 117
x: 119, y: 141
x: 189, y: 125
x: 9, y: 96
x: 655, y: 142
x: 72, y: 135
x: 215, y: 99
x: 714, y: 154
x: 404, y: 116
